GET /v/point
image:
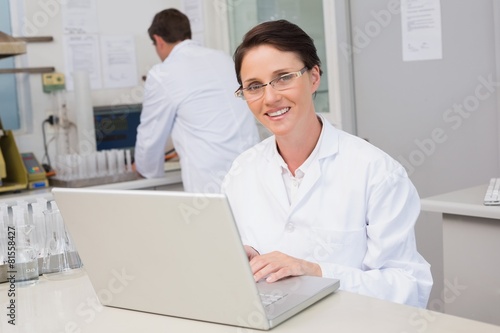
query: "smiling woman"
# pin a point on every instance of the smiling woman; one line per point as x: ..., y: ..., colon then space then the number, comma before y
x: 287, y: 112
x: 312, y: 199
x: 309, y: 15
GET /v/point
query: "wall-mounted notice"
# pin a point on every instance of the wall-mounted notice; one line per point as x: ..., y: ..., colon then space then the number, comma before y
x: 421, y: 30
x: 119, y: 65
x: 82, y: 54
x: 80, y: 17
x: 194, y: 11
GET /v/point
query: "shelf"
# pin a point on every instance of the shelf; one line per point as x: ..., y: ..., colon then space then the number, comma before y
x: 12, y: 46
x: 38, y: 39
x: 33, y: 70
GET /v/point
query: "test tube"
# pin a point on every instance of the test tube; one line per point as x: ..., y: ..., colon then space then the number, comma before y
x: 81, y: 167
x: 128, y: 159
x: 62, y: 255
x: 26, y: 258
x: 120, y: 160
x: 101, y: 163
x: 38, y: 220
x: 69, y: 166
x: 110, y: 157
x: 42, y: 202
x: 91, y: 162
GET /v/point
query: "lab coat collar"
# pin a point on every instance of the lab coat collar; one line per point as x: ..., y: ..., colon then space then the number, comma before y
x: 328, y: 146
x: 328, y: 143
x: 178, y: 47
x: 329, y: 139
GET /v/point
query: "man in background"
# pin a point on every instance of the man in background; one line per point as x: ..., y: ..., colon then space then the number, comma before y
x: 190, y: 97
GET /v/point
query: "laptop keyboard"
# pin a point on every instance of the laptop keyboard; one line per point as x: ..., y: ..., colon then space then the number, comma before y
x: 492, y: 196
x: 268, y: 299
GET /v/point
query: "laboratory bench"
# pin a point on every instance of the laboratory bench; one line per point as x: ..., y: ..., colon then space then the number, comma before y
x: 170, y: 182
x: 470, y: 245
x: 68, y: 303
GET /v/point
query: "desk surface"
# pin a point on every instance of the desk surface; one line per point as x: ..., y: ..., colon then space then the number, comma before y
x: 468, y: 202
x: 171, y: 177
x: 67, y: 303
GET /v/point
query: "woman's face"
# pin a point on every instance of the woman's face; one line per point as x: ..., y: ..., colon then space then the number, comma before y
x: 282, y: 112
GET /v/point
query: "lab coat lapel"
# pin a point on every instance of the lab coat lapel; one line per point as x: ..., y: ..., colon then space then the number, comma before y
x: 273, y: 181
x: 310, y: 179
x: 329, y: 146
x: 276, y: 186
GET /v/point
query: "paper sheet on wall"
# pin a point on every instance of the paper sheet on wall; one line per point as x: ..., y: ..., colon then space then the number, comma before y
x: 80, y: 17
x: 194, y: 11
x: 119, y: 65
x: 81, y: 53
x: 421, y: 30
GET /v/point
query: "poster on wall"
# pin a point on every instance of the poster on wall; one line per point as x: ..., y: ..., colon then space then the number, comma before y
x: 119, y: 65
x: 82, y: 54
x: 80, y: 17
x: 109, y: 60
x: 421, y: 30
x: 194, y: 11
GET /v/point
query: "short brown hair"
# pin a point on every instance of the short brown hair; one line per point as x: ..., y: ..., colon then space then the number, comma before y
x: 171, y: 25
x: 284, y: 36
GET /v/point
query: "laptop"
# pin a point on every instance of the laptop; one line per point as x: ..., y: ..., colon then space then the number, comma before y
x: 177, y: 254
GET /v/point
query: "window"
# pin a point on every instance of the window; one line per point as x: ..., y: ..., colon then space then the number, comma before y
x: 9, y: 109
x: 15, y: 109
x: 243, y: 15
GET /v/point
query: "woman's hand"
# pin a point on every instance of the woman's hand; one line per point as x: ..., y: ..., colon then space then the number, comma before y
x: 251, y: 252
x: 277, y: 265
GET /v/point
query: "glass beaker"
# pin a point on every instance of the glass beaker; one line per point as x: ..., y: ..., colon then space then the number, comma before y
x: 61, y: 254
x: 22, y: 251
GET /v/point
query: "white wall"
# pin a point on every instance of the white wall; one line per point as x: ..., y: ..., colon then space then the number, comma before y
x: 405, y: 108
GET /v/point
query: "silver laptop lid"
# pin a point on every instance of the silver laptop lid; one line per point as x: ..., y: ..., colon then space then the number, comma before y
x: 173, y: 253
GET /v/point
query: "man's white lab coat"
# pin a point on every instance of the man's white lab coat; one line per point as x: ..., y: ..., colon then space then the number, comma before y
x: 190, y: 97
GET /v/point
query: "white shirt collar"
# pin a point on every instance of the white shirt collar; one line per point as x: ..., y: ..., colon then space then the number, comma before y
x: 291, y: 182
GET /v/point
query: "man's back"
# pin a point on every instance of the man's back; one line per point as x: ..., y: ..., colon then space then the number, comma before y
x: 191, y: 96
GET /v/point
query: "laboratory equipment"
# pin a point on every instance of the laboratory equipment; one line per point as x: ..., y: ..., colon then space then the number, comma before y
x: 25, y: 265
x: 37, y: 240
x: 83, y: 112
x: 36, y: 173
x: 14, y: 175
x: 116, y: 126
x: 65, y: 130
x: 97, y: 168
x: 96, y: 151
x: 60, y: 252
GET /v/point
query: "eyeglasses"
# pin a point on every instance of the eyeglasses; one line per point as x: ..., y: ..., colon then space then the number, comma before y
x: 255, y: 91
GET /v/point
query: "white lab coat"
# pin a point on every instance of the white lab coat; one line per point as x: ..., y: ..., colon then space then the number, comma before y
x: 190, y: 96
x: 354, y: 215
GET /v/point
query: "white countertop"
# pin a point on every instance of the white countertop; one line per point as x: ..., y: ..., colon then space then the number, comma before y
x: 68, y: 303
x: 468, y: 202
x: 171, y: 177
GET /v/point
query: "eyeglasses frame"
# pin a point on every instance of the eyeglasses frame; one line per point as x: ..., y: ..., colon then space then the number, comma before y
x: 239, y: 93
